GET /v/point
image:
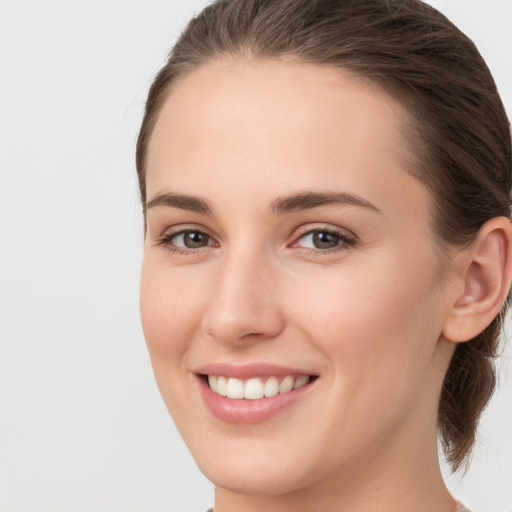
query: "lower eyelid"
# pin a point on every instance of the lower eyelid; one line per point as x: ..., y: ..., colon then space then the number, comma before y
x: 326, y: 252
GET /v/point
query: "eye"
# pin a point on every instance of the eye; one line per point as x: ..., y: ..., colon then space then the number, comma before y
x: 320, y: 240
x: 186, y: 240
x: 191, y: 239
x: 324, y: 240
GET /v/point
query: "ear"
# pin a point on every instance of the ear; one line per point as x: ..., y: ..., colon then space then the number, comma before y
x: 486, y: 270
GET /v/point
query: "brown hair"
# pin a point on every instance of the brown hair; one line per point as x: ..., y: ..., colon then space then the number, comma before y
x: 459, y: 131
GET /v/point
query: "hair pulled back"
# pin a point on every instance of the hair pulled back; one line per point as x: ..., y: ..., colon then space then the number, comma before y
x: 459, y: 132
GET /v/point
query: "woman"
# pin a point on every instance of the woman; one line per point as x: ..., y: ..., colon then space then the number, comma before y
x: 328, y: 250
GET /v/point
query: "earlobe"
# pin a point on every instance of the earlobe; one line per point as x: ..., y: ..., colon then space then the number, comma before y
x: 487, y: 272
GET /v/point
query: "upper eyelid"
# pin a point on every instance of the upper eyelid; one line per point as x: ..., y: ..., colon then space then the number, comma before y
x: 186, y: 228
x: 301, y: 231
x: 170, y: 232
x: 312, y: 227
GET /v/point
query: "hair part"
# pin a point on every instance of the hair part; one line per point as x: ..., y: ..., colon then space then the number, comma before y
x: 458, y: 131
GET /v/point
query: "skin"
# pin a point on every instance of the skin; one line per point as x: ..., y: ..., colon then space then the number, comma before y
x: 367, y: 318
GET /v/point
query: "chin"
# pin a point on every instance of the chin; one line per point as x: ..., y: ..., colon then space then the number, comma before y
x: 245, y: 479
x: 261, y: 465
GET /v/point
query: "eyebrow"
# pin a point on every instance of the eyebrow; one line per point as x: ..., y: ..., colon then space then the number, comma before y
x: 307, y: 200
x: 184, y: 202
x: 293, y: 203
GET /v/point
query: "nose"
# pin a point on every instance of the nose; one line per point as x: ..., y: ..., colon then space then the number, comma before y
x: 244, y: 307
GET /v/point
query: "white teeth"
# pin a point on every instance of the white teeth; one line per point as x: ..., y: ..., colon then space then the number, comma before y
x: 235, y: 388
x: 286, y: 385
x: 301, y: 382
x: 271, y: 387
x: 213, y: 381
x: 255, y: 388
x: 222, y: 386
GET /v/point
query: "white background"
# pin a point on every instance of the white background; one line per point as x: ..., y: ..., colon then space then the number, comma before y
x: 82, y: 427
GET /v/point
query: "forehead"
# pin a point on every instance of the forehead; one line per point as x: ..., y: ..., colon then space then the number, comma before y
x: 273, y: 126
x: 239, y: 98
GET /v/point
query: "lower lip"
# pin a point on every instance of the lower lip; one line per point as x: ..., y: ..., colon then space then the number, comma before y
x: 249, y: 412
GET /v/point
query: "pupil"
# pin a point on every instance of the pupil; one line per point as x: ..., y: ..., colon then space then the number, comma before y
x: 193, y: 240
x: 323, y: 240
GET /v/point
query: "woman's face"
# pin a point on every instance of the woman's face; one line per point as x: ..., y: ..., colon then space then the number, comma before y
x: 288, y: 245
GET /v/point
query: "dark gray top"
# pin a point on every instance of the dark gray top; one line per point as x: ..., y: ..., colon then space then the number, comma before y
x: 461, y: 509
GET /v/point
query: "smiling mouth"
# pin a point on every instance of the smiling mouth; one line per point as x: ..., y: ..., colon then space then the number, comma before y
x: 256, y: 387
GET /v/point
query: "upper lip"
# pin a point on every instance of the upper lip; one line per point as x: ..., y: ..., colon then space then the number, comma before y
x: 247, y: 371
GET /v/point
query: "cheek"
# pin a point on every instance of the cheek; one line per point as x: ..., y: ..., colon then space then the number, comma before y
x: 170, y: 308
x: 377, y: 324
x: 361, y: 305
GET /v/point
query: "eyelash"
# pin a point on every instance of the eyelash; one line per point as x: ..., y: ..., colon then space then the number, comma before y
x: 345, y: 241
x: 166, y: 240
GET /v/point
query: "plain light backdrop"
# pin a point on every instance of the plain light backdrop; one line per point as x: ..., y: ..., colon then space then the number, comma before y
x: 82, y: 426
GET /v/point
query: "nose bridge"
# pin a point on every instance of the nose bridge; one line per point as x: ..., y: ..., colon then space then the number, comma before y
x: 243, y: 305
